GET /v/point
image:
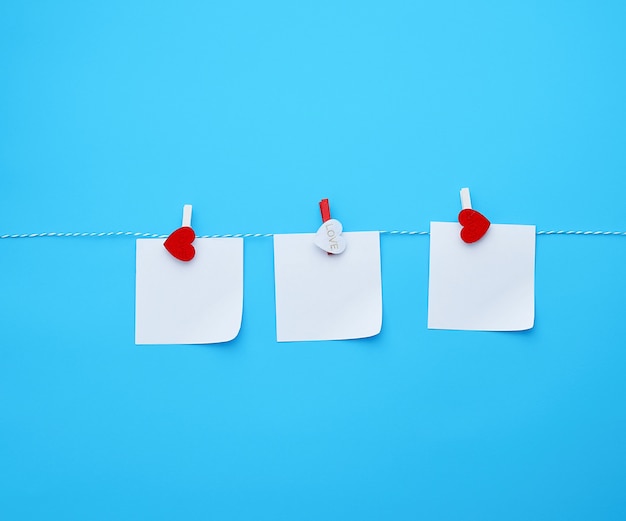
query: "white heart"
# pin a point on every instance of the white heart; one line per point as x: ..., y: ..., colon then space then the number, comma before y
x: 329, y: 237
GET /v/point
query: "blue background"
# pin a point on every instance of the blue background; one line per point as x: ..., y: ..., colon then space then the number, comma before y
x: 115, y: 114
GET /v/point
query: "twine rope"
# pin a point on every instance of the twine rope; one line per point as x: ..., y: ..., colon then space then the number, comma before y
x: 141, y: 235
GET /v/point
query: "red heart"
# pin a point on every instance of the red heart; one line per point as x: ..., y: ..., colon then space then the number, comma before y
x: 474, y: 223
x: 179, y: 243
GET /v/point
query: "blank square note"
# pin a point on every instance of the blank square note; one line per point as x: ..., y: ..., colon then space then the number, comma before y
x: 488, y: 285
x: 195, y: 302
x: 327, y: 297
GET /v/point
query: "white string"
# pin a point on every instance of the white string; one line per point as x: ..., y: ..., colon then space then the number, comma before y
x: 259, y: 235
x: 570, y: 232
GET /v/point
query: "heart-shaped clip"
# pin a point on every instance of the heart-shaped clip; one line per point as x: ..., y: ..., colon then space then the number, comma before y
x: 329, y: 235
x: 179, y: 242
x: 329, y: 238
x: 474, y: 224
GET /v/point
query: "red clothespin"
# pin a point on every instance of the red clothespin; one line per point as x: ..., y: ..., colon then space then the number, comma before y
x: 329, y: 236
x: 325, y: 209
x: 179, y: 243
x: 474, y: 224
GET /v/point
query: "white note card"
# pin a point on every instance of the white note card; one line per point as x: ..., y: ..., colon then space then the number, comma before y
x: 488, y: 285
x: 195, y: 302
x: 327, y: 297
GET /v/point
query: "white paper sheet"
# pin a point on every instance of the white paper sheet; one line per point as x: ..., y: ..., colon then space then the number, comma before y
x: 327, y: 297
x: 196, y: 302
x: 488, y: 285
